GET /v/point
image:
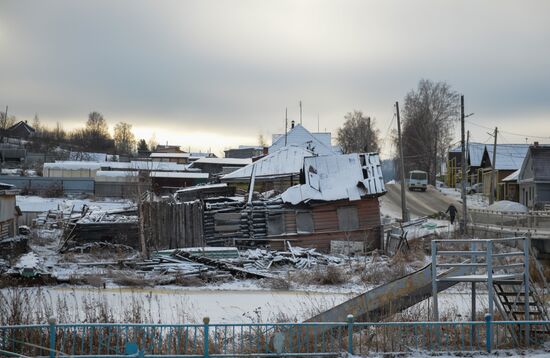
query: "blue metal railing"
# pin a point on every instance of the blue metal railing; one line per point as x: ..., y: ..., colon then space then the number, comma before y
x: 266, y: 339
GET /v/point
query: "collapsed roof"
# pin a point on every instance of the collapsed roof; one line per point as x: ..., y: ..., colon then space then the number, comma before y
x: 285, y: 162
x: 337, y: 177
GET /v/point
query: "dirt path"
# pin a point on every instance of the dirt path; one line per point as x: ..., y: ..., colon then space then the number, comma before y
x: 419, y: 203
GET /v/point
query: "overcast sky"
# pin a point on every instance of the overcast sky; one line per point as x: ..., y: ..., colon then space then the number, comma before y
x: 216, y: 74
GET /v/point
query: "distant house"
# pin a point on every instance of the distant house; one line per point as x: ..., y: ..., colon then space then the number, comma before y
x: 180, y: 158
x: 198, y: 155
x: 474, y: 155
x: 20, y: 130
x: 245, y: 152
x: 479, y: 157
x: 170, y: 182
x: 318, y: 143
x: 166, y: 148
x: 509, y: 158
x: 219, y: 166
x: 534, y: 177
x: 8, y: 210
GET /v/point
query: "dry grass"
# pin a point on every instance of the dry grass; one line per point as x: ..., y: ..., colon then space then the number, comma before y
x: 328, y: 275
x: 189, y: 281
x: 129, y: 279
x: 90, y: 280
x: 276, y: 283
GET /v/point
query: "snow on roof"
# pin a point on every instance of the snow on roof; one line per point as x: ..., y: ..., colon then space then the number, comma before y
x: 5, y: 186
x: 73, y: 165
x: 224, y: 161
x: 509, y: 156
x: 135, y: 165
x: 284, y: 162
x: 182, y: 175
x: 319, y: 143
x: 170, y: 155
x: 116, y: 173
x: 336, y: 177
x: 159, y: 166
x: 512, y: 177
x: 475, y: 153
x: 200, y: 187
x: 39, y: 204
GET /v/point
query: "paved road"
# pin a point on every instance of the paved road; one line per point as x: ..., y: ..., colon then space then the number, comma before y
x: 419, y: 203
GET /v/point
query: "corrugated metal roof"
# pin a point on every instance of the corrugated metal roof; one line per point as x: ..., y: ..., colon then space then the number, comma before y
x: 223, y: 161
x: 180, y: 175
x: 284, y: 162
x: 509, y: 156
x: 336, y: 177
x: 319, y: 143
x: 169, y: 155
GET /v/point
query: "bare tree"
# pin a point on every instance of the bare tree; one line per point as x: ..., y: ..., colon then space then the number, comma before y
x: 261, y: 141
x: 152, y: 143
x: 125, y: 140
x: 358, y: 134
x: 428, y: 118
x: 97, y: 132
x: 5, y: 123
x: 36, y: 123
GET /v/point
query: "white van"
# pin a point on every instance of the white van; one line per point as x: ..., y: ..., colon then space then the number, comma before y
x: 418, y: 180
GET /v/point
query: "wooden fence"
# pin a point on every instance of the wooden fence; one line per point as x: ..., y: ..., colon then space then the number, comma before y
x: 170, y: 225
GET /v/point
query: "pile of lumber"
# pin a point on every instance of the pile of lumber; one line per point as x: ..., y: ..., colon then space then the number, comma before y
x: 297, y: 257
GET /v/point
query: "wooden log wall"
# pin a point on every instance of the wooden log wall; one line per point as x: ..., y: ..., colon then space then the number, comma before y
x: 170, y: 225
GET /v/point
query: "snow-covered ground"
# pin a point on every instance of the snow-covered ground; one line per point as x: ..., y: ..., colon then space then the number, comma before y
x: 223, y: 305
x: 475, y: 201
x: 40, y: 204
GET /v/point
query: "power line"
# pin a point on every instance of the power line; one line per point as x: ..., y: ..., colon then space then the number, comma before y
x: 507, y: 132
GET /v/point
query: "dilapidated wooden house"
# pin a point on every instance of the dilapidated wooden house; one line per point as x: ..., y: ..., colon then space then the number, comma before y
x: 335, y: 202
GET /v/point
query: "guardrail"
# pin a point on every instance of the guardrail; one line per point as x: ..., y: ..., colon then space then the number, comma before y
x: 528, y: 220
x: 258, y: 339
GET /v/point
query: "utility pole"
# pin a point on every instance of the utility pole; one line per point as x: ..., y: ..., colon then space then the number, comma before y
x: 493, y: 170
x: 300, y: 112
x: 286, y: 123
x: 2, y: 130
x: 470, y: 179
x: 464, y: 221
x: 404, y: 213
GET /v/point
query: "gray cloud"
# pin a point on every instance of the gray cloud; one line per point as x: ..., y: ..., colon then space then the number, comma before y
x: 231, y: 67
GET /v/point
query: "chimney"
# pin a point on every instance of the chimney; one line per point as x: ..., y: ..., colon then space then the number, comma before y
x: 292, y: 124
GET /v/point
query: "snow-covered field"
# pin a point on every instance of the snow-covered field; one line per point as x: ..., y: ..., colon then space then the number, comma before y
x: 229, y: 304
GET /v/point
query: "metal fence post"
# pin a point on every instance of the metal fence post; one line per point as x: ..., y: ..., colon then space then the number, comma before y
x: 52, y: 322
x: 206, y: 321
x: 488, y: 332
x: 350, y: 333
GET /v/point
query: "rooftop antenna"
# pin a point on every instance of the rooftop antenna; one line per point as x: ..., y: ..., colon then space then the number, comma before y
x: 300, y: 112
x: 317, y: 122
x: 286, y: 123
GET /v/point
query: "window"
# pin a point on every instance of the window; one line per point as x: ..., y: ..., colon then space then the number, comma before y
x: 304, y: 222
x: 275, y: 224
x: 348, y: 219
